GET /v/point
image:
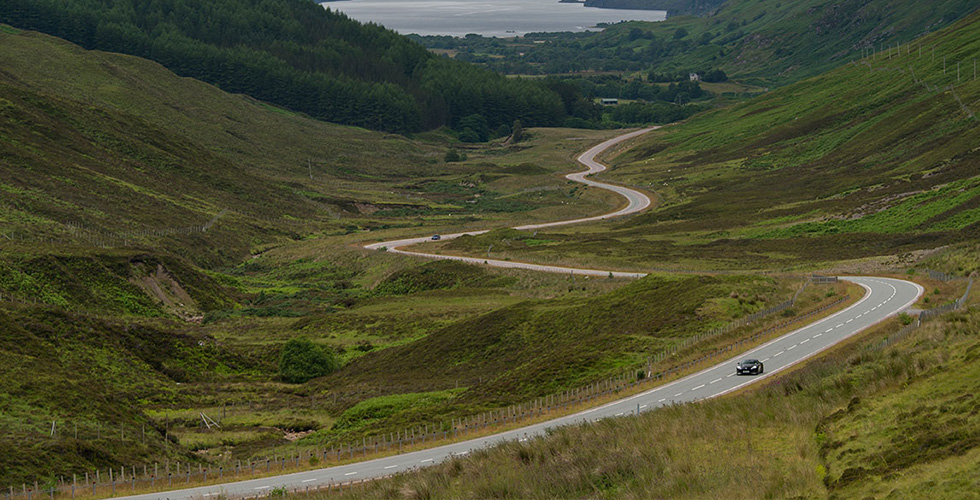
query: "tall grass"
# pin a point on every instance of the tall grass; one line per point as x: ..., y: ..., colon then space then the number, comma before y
x: 794, y: 437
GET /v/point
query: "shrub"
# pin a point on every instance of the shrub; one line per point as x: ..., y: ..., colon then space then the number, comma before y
x: 301, y: 360
x: 517, y: 131
x: 452, y: 155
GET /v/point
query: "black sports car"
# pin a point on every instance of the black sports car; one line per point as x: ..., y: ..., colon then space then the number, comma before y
x: 749, y: 367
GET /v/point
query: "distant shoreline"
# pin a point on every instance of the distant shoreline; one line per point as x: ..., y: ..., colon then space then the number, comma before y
x: 500, y: 18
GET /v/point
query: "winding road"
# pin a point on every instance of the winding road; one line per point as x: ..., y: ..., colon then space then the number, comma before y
x: 635, y: 202
x: 884, y: 297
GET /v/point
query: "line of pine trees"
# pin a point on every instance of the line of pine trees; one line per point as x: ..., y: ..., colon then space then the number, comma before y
x: 297, y: 55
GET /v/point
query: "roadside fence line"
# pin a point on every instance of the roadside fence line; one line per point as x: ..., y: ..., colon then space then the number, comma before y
x: 924, y: 316
x: 149, y: 476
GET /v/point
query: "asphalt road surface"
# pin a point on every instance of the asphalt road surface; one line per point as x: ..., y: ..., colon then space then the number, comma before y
x: 885, y: 297
x: 635, y: 202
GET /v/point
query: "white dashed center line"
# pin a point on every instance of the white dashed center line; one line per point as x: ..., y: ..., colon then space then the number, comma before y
x: 804, y: 342
x: 790, y: 348
x: 391, y: 467
x: 716, y: 380
x: 308, y: 480
x: 678, y: 394
x: 662, y: 400
x: 426, y: 460
x: 350, y: 473
x: 698, y: 387
x: 778, y: 353
x: 261, y: 487
x: 817, y: 335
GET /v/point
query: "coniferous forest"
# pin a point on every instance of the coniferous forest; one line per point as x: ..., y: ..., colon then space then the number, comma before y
x: 298, y: 55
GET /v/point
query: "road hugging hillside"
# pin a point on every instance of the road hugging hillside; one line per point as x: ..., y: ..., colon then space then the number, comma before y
x: 636, y: 202
x: 884, y: 297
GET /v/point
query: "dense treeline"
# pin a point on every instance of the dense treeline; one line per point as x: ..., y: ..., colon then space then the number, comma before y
x: 297, y: 55
x: 638, y: 113
x: 598, y: 86
x: 673, y: 7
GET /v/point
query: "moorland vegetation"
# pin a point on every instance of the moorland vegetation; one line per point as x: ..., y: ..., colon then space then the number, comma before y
x: 218, y: 230
x: 875, y: 157
x: 861, y: 422
x: 221, y: 228
x: 300, y: 56
x: 765, y: 43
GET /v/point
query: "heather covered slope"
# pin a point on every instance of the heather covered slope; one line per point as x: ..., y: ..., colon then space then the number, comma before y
x: 853, y: 164
x: 860, y: 422
x: 875, y: 158
x: 74, y: 388
x: 116, y: 150
x: 298, y: 55
x: 766, y: 43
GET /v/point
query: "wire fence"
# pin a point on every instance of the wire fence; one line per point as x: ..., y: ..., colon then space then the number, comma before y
x: 75, y: 233
x: 944, y: 277
x: 900, y: 58
x: 134, y: 479
x: 159, y: 475
x: 924, y: 316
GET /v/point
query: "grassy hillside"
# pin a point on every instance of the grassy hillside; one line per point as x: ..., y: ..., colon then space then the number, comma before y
x: 175, y: 237
x: 764, y: 42
x: 861, y: 422
x: 875, y: 158
x: 124, y: 154
x: 872, y: 160
x: 298, y: 55
x: 533, y: 348
x: 75, y: 387
x: 164, y: 206
x: 138, y: 204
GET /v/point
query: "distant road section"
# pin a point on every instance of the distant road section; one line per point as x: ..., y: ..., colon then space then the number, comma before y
x: 635, y: 202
